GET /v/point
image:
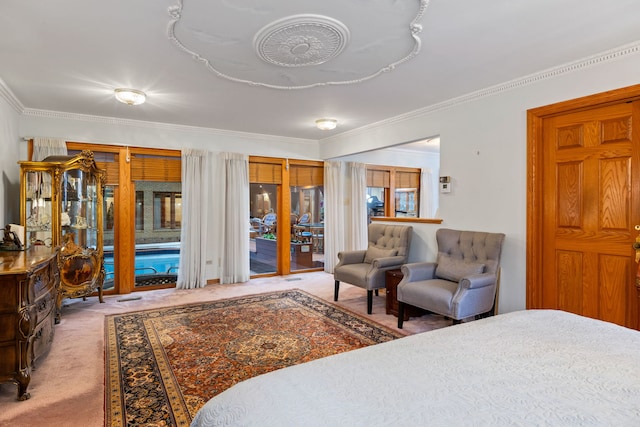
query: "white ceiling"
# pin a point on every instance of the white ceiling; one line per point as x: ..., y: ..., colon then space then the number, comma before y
x: 68, y: 56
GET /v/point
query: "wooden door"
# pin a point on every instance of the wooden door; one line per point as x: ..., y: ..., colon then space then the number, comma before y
x: 586, y: 186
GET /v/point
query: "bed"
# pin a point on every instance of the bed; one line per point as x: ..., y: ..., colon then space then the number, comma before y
x: 526, y: 368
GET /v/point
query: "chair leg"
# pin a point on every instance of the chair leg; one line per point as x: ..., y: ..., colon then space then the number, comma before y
x: 377, y: 292
x: 369, y: 301
x: 335, y: 292
x: 457, y: 321
x: 400, y: 314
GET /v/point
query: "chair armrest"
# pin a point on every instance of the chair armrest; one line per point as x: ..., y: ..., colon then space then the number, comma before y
x: 390, y: 261
x: 478, y: 281
x: 419, y: 271
x: 351, y: 257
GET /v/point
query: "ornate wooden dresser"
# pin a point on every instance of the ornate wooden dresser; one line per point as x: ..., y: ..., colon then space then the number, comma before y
x: 28, y: 289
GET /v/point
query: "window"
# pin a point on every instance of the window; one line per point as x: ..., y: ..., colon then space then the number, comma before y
x: 406, y: 202
x: 167, y: 210
x: 393, y: 191
x: 375, y: 204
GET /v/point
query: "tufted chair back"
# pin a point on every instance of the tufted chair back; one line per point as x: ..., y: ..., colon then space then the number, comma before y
x: 461, y: 284
x: 388, y: 250
x: 384, y: 236
x: 471, y: 246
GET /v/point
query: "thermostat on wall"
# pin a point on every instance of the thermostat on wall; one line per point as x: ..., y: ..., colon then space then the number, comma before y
x: 445, y: 184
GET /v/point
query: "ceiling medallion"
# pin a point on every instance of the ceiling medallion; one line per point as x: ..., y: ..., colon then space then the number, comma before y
x: 248, y: 42
x: 302, y: 40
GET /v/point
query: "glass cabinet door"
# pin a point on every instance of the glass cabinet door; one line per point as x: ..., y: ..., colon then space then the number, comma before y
x: 38, y: 208
x: 78, y: 212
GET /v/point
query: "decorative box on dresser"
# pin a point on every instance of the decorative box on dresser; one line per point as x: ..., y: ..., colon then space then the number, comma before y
x: 28, y: 290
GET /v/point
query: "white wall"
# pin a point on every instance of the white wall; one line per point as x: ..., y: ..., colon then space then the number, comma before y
x: 10, y: 187
x: 483, y: 148
x: 157, y: 135
x: 427, y: 161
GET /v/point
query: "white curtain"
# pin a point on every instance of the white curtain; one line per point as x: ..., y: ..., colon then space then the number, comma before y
x: 333, y: 213
x: 45, y: 147
x: 234, y: 223
x: 426, y: 194
x: 193, y: 242
x: 358, y: 212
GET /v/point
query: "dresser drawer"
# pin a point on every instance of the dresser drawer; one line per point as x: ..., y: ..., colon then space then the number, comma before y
x: 9, y: 360
x: 44, y: 307
x: 9, y: 295
x: 9, y: 322
x: 42, y: 338
x: 42, y: 280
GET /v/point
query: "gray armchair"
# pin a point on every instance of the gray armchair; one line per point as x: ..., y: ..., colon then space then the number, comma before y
x: 388, y: 249
x: 463, y: 281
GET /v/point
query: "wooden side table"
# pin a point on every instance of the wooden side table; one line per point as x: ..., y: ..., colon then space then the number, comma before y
x: 392, y: 278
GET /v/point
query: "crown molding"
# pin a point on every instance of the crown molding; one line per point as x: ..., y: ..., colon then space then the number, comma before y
x: 9, y: 96
x: 607, y: 56
x: 590, y: 61
x: 112, y: 121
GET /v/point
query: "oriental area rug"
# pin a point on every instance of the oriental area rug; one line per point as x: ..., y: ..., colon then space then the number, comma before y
x: 163, y: 365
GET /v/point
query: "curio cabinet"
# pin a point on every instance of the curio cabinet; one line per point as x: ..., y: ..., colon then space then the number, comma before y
x: 61, y: 206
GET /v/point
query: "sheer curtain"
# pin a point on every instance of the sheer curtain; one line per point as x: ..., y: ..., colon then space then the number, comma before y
x: 45, y: 147
x: 426, y: 194
x: 234, y: 223
x: 333, y: 213
x: 358, y: 213
x: 193, y: 242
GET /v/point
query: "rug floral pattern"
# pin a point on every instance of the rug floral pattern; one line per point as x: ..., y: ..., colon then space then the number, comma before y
x: 163, y: 365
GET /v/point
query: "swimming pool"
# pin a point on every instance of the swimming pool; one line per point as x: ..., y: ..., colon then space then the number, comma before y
x: 151, y: 262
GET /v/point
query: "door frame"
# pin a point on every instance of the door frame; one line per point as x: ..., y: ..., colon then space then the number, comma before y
x: 283, y: 241
x: 124, y: 217
x: 535, y: 156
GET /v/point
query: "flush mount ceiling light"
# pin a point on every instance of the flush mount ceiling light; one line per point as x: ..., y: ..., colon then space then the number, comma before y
x: 130, y: 96
x: 326, y: 124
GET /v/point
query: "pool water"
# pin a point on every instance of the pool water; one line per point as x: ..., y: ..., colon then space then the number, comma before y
x: 157, y: 261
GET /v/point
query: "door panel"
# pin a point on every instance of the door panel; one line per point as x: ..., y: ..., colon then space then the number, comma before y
x: 589, y: 209
x: 614, y: 270
x: 569, y: 280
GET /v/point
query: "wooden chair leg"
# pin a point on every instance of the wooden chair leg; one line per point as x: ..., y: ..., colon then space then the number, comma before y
x: 400, y: 314
x: 369, y: 301
x: 335, y: 292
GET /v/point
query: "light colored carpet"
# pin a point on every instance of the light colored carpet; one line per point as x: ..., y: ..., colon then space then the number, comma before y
x: 67, y: 389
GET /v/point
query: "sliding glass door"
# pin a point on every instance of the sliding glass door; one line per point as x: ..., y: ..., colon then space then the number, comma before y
x: 307, y: 216
x: 263, y: 208
x: 158, y: 219
x: 265, y: 242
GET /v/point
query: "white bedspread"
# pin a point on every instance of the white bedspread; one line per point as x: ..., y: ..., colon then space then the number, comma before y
x: 528, y: 368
